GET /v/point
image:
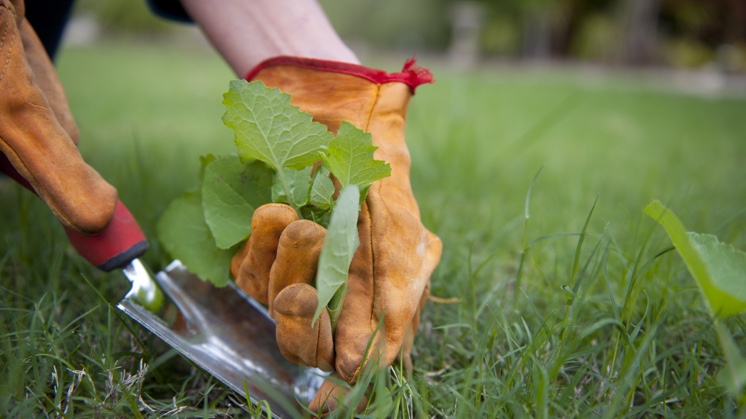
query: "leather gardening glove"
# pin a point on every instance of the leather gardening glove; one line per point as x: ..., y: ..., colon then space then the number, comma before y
x: 390, y: 271
x: 38, y: 134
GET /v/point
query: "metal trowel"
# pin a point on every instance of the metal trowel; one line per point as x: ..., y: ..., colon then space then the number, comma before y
x: 226, y: 333
x: 222, y: 330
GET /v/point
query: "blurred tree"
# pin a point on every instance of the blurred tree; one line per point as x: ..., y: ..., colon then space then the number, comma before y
x: 698, y: 32
x: 637, y: 38
x: 594, y: 31
x: 629, y: 32
x: 533, y: 21
x: 123, y: 16
x: 539, y: 29
x: 466, y: 23
x: 409, y: 26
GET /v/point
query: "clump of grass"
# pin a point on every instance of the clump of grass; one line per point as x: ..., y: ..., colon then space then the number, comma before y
x: 66, y: 351
x: 611, y: 332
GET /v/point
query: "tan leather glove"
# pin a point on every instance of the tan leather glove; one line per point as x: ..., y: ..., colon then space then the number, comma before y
x: 390, y: 272
x: 38, y: 133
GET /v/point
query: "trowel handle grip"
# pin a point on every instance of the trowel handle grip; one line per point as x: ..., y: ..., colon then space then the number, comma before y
x: 114, y: 247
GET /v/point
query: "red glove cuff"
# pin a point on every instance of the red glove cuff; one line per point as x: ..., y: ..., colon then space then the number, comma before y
x: 411, y: 75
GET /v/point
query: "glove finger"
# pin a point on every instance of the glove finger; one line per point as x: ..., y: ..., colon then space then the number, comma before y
x: 38, y: 147
x: 389, y: 292
x: 406, y: 350
x: 252, y: 264
x: 297, y: 257
x: 433, y: 251
x: 299, y: 340
x: 46, y: 78
x: 330, y: 396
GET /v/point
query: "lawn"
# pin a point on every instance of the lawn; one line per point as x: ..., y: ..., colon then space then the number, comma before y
x: 507, y: 167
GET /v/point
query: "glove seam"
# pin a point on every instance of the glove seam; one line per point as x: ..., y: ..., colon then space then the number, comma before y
x: 369, y: 117
x: 366, y: 128
x: 10, y: 50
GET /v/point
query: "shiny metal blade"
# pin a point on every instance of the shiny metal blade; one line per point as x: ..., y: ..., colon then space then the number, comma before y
x: 227, y: 334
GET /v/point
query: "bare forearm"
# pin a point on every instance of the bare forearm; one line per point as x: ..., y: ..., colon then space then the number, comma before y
x: 246, y: 32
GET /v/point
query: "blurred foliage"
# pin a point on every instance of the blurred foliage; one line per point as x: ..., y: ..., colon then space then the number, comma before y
x: 687, y: 52
x: 594, y: 36
x: 682, y: 33
x: 123, y: 16
x: 501, y: 35
x: 410, y: 25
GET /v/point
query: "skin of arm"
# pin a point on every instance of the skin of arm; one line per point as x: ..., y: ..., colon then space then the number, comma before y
x: 247, y: 32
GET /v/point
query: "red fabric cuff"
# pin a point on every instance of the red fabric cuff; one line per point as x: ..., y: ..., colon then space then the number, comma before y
x: 411, y: 75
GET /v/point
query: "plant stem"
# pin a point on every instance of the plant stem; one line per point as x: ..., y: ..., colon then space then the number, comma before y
x: 335, y: 305
x: 288, y: 192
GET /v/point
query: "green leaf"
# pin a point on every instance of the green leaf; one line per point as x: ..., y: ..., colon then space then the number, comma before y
x: 203, y: 162
x: 268, y: 128
x: 719, y: 269
x: 322, y: 191
x: 319, y: 216
x: 231, y: 191
x: 350, y: 158
x: 733, y: 377
x: 298, y: 183
x: 185, y: 235
x: 339, y: 246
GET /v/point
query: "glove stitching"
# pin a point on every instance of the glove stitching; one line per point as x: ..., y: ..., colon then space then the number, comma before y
x: 10, y: 50
x: 370, y: 239
x: 366, y: 127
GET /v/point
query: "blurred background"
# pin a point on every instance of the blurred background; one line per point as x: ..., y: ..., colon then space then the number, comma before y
x: 680, y: 34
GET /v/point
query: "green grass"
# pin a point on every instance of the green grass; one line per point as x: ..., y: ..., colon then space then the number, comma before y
x: 570, y: 302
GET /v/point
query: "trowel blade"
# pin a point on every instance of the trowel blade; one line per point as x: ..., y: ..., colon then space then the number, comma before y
x: 227, y: 334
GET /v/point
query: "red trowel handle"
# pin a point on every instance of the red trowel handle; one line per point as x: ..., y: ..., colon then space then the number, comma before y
x: 114, y: 247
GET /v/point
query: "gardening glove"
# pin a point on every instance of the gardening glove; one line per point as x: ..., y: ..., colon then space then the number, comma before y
x: 38, y: 133
x: 390, y: 272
